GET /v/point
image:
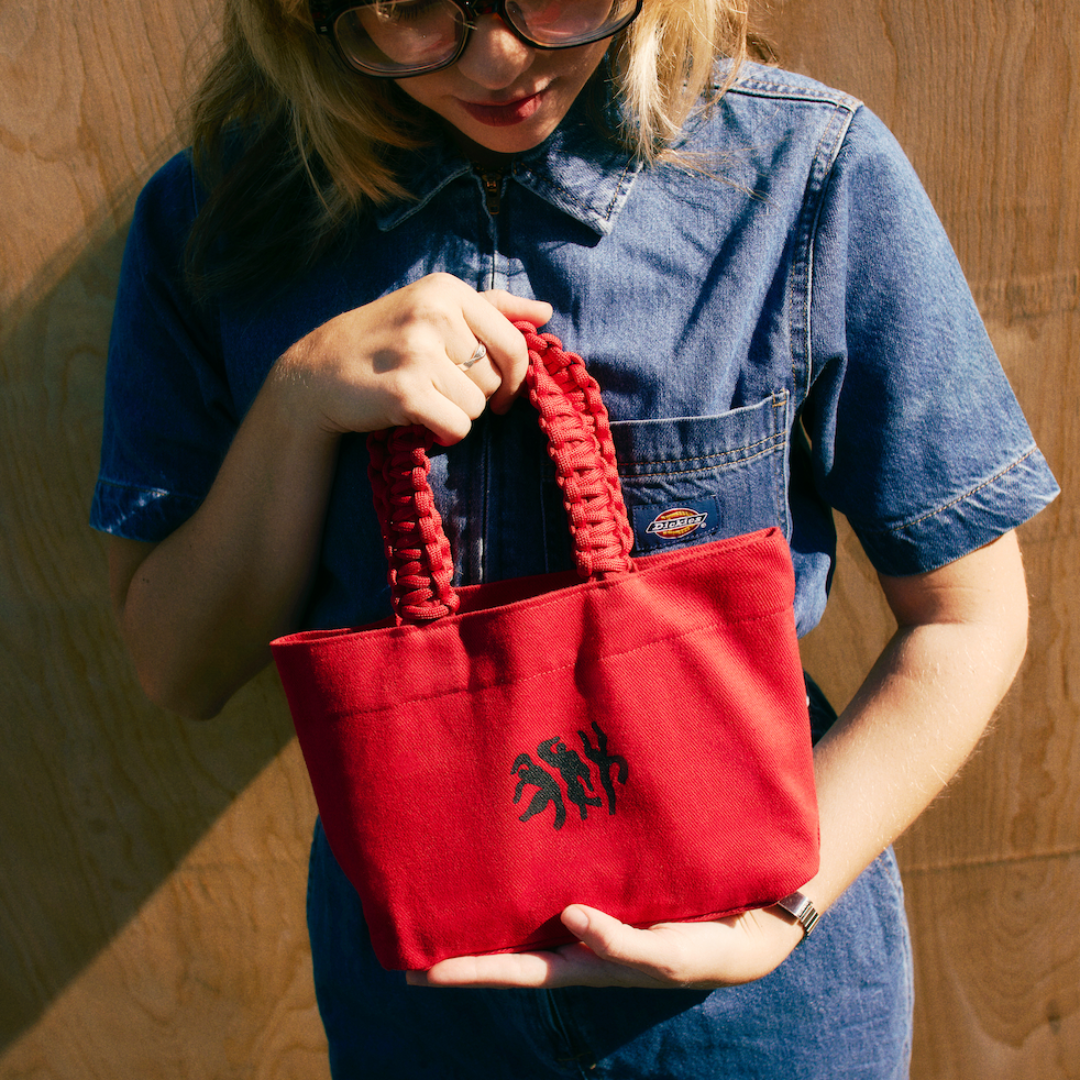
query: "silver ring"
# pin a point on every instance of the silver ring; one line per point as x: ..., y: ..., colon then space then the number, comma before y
x: 478, y: 354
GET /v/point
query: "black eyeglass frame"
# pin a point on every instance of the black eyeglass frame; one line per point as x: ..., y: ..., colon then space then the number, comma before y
x: 324, y: 16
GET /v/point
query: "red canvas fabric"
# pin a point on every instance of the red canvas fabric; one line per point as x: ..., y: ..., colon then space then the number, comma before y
x: 637, y: 740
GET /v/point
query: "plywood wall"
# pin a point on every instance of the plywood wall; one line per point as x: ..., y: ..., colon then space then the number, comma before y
x: 985, y: 98
x: 152, y: 870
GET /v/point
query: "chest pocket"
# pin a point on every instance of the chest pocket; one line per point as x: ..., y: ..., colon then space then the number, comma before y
x: 693, y: 479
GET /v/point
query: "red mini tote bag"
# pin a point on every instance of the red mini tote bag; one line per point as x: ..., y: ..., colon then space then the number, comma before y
x: 633, y: 736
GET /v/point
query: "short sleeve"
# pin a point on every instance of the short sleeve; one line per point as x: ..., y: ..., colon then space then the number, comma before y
x: 917, y: 437
x: 169, y: 416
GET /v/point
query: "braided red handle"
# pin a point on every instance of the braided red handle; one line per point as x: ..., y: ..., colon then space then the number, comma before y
x: 575, y: 421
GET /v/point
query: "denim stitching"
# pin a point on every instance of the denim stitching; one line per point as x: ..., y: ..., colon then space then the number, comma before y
x: 547, y: 182
x: 719, y: 453
x: 610, y: 208
x: 824, y: 95
x: 777, y: 440
x: 139, y: 487
x: 780, y: 477
x: 155, y: 492
x: 818, y: 181
x: 959, y: 499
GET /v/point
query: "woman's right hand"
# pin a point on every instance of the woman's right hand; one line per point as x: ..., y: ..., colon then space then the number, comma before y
x: 198, y: 608
x: 398, y: 361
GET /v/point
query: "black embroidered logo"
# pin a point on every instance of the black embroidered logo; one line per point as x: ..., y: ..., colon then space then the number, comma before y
x: 576, y: 776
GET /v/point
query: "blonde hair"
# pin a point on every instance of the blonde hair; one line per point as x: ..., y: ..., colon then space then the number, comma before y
x: 310, y: 122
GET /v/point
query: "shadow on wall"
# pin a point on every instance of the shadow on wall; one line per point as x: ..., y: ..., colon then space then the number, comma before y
x: 103, y: 795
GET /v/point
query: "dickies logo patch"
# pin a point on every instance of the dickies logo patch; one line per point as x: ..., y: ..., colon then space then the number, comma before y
x: 660, y: 526
x: 677, y: 523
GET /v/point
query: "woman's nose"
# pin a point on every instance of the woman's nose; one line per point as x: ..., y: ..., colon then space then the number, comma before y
x: 494, y: 57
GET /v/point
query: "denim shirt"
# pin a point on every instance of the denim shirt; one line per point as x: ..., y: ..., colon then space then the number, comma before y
x: 777, y: 322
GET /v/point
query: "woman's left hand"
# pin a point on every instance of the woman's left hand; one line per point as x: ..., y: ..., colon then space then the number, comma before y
x: 703, y: 955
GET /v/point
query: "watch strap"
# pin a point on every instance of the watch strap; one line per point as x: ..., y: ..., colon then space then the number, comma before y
x: 801, y: 908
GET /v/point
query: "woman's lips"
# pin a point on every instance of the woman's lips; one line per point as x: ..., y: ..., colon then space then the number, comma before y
x: 504, y: 115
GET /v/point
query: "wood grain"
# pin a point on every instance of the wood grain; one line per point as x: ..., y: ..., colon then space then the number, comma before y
x: 1010, y: 1008
x: 211, y: 977
x: 152, y: 871
x: 151, y: 875
x: 985, y: 100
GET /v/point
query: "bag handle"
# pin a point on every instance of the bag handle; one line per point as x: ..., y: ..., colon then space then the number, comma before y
x: 575, y: 421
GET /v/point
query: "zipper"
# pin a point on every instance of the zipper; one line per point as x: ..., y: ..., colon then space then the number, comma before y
x: 492, y: 182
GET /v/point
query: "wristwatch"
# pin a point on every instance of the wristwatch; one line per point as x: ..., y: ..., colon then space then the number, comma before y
x: 802, y: 909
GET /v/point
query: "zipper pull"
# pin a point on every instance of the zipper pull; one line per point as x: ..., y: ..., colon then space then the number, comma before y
x: 492, y: 182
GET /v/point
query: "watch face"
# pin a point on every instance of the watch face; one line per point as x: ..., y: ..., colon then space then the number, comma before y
x: 803, y: 911
x: 794, y: 904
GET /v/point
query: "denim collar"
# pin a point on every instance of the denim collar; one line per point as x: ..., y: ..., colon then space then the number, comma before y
x: 575, y: 169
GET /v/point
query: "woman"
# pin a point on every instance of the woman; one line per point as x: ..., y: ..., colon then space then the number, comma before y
x: 779, y: 326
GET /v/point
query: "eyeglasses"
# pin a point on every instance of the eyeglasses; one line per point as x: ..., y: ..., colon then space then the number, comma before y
x: 393, y: 39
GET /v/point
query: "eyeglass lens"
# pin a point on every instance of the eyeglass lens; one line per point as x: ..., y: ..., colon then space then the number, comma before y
x: 390, y: 36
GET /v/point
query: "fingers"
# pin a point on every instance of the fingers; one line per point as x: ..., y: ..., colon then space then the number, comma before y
x: 517, y: 308
x: 405, y: 358
x: 702, y: 955
x: 609, y: 953
x: 501, y: 971
x: 507, y: 353
x: 446, y: 417
x: 466, y: 321
x: 479, y: 368
x: 478, y: 354
x: 651, y: 952
x: 501, y: 373
x: 570, y: 965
